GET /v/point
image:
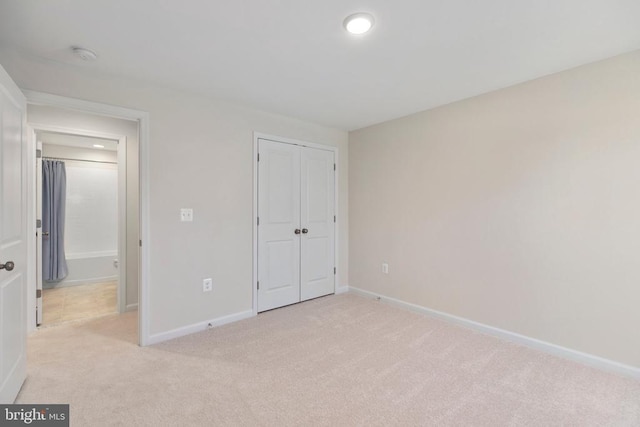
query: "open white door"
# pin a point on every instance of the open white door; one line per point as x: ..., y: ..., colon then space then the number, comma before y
x: 38, y: 234
x: 13, y: 240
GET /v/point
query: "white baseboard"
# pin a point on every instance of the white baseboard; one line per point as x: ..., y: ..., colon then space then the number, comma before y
x: 556, y: 350
x: 78, y: 282
x: 198, y: 327
x: 131, y: 307
x: 342, y: 289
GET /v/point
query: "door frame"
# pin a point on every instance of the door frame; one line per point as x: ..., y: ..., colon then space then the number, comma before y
x: 142, y: 117
x: 122, y: 205
x: 291, y: 141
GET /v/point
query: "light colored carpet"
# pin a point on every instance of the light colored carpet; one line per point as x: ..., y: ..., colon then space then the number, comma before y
x: 339, y: 360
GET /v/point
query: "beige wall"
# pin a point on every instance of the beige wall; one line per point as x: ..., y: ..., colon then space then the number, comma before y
x: 519, y: 209
x: 201, y: 156
x: 42, y: 115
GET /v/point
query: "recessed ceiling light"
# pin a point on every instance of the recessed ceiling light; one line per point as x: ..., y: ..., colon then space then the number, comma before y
x: 98, y: 146
x: 84, y: 54
x: 359, y: 23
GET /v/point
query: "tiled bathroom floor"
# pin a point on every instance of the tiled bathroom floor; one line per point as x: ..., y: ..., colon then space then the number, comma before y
x: 78, y: 302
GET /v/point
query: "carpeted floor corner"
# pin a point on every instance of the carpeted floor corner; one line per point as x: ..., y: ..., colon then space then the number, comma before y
x: 340, y: 360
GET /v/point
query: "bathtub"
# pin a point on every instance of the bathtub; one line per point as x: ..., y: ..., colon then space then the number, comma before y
x: 88, y: 268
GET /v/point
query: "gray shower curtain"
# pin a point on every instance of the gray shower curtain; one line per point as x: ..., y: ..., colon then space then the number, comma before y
x: 54, y: 193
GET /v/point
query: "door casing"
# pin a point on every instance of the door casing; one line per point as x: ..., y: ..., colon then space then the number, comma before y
x: 256, y: 137
x: 142, y: 117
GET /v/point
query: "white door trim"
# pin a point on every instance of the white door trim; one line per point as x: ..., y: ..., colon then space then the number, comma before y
x: 256, y: 137
x: 40, y: 98
x: 122, y: 206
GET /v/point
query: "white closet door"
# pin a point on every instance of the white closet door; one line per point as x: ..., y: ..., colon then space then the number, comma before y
x: 317, y: 259
x: 279, y: 216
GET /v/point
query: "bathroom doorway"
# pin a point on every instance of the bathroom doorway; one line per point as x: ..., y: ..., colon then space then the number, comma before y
x: 97, y: 260
x: 77, y: 187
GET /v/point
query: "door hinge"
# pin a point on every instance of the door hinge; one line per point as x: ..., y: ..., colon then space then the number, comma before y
x: 140, y: 242
x: 38, y: 154
x: 334, y: 166
x: 258, y: 285
x: 334, y: 218
x: 258, y: 221
x: 334, y: 270
x: 38, y: 293
x: 258, y: 156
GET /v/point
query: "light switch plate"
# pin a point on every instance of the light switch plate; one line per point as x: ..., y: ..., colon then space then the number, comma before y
x: 186, y: 214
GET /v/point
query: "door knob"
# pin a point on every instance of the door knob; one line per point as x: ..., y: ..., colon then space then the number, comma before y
x: 7, y: 266
x: 297, y: 231
x: 305, y: 231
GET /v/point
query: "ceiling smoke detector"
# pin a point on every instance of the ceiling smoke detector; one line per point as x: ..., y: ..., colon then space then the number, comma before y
x: 84, y: 54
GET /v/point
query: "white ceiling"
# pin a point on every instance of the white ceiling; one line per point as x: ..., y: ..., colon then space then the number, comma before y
x: 77, y: 141
x: 293, y: 57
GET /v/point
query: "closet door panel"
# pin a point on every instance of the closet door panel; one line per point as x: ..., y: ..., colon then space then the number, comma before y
x: 317, y: 212
x: 279, y: 215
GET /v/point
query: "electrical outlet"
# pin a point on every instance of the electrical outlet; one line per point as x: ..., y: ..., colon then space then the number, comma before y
x: 207, y: 285
x: 385, y: 268
x: 186, y: 214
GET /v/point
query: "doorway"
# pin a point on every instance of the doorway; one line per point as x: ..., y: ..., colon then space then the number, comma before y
x: 81, y: 210
x: 295, y: 225
x: 121, y: 267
